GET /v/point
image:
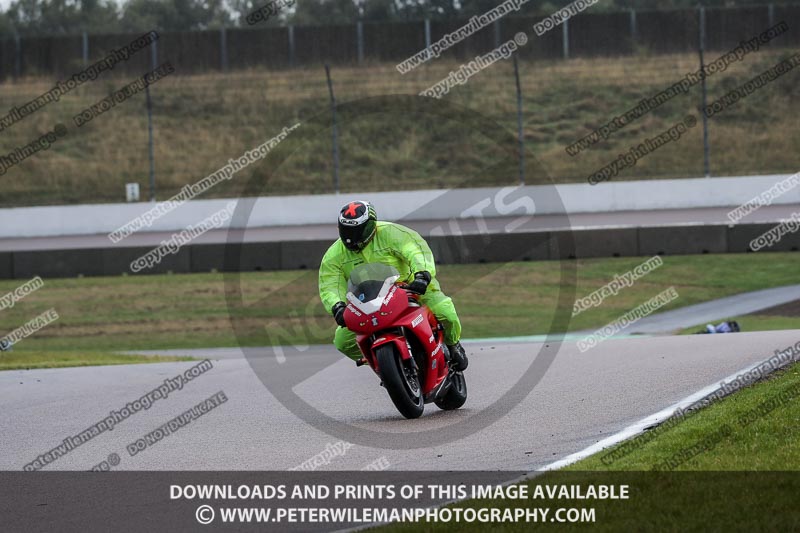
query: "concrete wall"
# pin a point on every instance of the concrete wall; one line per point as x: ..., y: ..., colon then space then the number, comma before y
x: 605, y: 242
x: 404, y: 205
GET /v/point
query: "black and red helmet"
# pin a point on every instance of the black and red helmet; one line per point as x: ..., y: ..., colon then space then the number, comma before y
x: 357, y: 225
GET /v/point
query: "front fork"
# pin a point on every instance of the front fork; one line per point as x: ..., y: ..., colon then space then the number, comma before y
x: 445, y: 349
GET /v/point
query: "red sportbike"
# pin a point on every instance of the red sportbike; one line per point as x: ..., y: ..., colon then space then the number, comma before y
x: 402, y: 341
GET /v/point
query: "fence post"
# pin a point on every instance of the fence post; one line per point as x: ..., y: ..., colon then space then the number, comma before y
x: 150, y: 150
x: 520, y: 134
x: 497, y: 33
x: 17, y: 55
x: 360, y: 39
x: 565, y: 38
x: 150, y: 153
x: 223, y: 49
x: 701, y: 48
x: 291, y: 45
x: 154, y: 55
x: 633, y: 25
x: 335, y: 132
x: 427, y: 33
x: 85, y: 48
x: 771, y: 14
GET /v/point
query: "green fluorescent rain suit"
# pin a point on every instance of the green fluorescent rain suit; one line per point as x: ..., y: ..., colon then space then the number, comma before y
x: 393, y: 245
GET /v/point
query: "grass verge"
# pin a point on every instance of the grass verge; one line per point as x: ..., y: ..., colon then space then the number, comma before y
x: 202, y: 121
x: 754, y: 323
x: 784, y: 316
x: 740, y: 452
x: 756, y: 428
x: 493, y: 300
x: 27, y: 360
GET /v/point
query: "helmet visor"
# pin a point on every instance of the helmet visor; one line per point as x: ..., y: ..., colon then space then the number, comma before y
x: 357, y: 236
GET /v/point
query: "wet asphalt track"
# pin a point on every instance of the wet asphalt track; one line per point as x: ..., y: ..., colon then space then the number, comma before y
x: 581, y: 399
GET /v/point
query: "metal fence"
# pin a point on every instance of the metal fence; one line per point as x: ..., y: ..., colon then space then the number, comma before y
x: 188, y: 125
x: 585, y: 35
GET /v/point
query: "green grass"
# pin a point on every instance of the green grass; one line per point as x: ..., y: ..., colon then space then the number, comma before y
x: 493, y: 300
x: 754, y: 323
x: 772, y: 442
x: 711, y: 491
x: 27, y: 359
x: 201, y: 121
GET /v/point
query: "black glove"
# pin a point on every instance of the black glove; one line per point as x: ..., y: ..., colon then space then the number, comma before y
x: 338, y: 312
x: 420, y: 283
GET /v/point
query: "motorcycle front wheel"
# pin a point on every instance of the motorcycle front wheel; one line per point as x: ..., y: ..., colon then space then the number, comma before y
x: 401, y: 381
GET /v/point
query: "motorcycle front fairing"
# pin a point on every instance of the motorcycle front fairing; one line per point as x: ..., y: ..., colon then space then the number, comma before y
x: 395, y: 323
x: 377, y: 322
x: 379, y: 312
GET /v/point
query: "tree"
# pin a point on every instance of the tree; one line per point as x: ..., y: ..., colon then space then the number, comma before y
x: 242, y: 8
x: 174, y: 15
x: 57, y: 17
x: 379, y: 10
x: 325, y: 12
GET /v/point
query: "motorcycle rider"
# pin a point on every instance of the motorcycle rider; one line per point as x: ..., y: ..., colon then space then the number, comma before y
x: 365, y: 239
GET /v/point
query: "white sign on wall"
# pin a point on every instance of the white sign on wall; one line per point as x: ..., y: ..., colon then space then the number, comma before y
x: 132, y: 192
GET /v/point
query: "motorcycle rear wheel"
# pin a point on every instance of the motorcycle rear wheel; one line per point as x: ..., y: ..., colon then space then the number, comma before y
x: 400, y: 381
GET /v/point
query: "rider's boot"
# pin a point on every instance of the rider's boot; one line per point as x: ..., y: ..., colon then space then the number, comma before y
x: 459, y: 356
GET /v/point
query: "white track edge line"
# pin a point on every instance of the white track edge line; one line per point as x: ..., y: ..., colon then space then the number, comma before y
x: 639, y: 427
x: 625, y: 434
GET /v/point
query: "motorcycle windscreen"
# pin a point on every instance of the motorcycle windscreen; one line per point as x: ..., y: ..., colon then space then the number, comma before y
x: 369, y: 284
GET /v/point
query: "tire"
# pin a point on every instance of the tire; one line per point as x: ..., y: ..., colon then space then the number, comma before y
x: 410, y: 403
x: 456, y: 395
